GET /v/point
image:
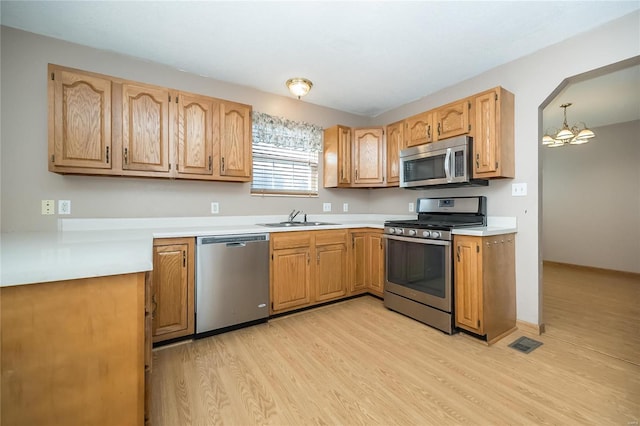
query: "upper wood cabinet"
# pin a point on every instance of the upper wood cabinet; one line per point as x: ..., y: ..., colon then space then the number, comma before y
x: 395, y: 143
x: 337, y: 157
x: 484, y: 285
x: 79, y: 121
x: 197, y: 119
x: 145, y: 128
x: 368, y: 157
x: 173, y: 288
x: 235, y: 131
x: 453, y: 119
x: 104, y: 125
x: 493, y: 135
x: 419, y: 129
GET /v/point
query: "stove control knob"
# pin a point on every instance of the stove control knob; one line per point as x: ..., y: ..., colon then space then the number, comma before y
x: 412, y: 232
x: 435, y: 234
x: 426, y: 234
x: 392, y: 230
x: 399, y: 231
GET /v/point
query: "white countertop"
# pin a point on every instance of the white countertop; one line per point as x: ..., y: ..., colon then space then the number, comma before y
x: 84, y: 248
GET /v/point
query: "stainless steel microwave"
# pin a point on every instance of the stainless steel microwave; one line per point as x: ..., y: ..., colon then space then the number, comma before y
x: 443, y: 163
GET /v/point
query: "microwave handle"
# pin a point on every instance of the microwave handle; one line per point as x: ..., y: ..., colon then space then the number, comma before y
x: 447, y: 165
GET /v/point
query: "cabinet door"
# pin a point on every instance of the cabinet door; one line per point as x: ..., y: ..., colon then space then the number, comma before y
x: 376, y: 263
x: 344, y: 155
x: 419, y: 129
x: 196, y: 115
x: 368, y: 156
x: 359, y: 263
x: 468, y: 283
x: 290, y: 278
x: 172, y: 297
x: 484, y: 142
x: 145, y: 128
x: 395, y: 143
x: 453, y: 119
x: 235, y: 140
x: 79, y: 120
x: 330, y: 272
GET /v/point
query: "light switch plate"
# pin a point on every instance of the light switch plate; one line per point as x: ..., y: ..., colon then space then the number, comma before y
x: 412, y: 207
x: 345, y: 207
x: 215, y: 208
x: 48, y: 207
x: 518, y: 189
x: 326, y: 207
x: 64, y: 206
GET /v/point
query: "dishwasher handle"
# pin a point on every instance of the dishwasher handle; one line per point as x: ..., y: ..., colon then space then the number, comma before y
x: 237, y: 240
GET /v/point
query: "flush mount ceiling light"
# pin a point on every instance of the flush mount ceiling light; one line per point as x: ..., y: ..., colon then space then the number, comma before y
x: 568, y: 135
x: 299, y: 86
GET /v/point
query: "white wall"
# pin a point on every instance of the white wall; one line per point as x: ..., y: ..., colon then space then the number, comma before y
x: 25, y: 179
x: 591, y: 200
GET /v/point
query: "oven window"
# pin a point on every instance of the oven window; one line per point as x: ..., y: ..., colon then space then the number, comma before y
x: 424, y: 168
x: 418, y: 266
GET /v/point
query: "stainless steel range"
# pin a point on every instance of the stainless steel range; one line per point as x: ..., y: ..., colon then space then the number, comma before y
x: 419, y: 266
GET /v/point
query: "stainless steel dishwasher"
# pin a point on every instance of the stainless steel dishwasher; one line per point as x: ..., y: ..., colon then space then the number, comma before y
x: 232, y: 282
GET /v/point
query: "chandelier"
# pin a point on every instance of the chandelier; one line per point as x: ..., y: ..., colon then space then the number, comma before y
x: 299, y: 86
x: 568, y: 135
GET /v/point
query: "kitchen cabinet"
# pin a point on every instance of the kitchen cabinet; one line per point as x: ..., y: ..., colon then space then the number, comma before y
x: 73, y: 352
x: 145, y: 128
x: 453, y: 119
x: 102, y: 125
x: 307, y: 268
x: 198, y: 116
x: 79, y: 121
x: 173, y: 288
x: 493, y: 135
x: 368, y: 157
x: 235, y: 141
x: 484, y: 285
x: 395, y: 143
x: 367, y: 261
x: 419, y: 129
x: 337, y: 157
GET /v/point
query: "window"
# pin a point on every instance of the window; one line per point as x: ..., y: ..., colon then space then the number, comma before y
x: 285, y: 156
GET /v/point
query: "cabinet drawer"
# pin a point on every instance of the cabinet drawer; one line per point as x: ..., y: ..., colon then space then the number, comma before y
x: 287, y: 240
x: 324, y: 238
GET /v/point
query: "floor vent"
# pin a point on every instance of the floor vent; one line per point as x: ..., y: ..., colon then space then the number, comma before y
x: 525, y: 345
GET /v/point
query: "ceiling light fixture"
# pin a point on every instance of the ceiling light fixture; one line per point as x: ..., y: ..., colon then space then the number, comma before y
x: 568, y: 135
x: 299, y: 86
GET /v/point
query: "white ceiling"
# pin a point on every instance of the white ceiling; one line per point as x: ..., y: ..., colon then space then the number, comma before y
x: 363, y: 57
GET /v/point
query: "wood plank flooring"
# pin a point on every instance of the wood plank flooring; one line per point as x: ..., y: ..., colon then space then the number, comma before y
x: 358, y: 363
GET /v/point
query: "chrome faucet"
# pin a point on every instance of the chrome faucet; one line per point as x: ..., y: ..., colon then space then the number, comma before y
x: 293, y: 214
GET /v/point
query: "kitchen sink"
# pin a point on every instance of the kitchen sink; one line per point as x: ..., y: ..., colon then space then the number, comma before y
x: 288, y: 224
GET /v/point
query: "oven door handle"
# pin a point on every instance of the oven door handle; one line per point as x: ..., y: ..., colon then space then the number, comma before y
x: 447, y: 165
x: 417, y: 240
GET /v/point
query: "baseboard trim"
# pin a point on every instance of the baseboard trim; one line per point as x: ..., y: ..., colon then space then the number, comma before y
x: 590, y: 268
x: 529, y: 327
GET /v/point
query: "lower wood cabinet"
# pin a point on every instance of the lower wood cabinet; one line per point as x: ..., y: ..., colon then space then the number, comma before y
x: 73, y: 352
x: 367, y: 261
x: 172, y: 294
x: 484, y: 285
x: 307, y: 268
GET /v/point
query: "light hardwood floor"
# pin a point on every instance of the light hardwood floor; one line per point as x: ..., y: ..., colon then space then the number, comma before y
x: 358, y: 363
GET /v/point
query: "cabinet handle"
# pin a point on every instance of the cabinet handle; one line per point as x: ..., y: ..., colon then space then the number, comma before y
x: 458, y: 254
x: 438, y: 129
x: 126, y: 156
x: 155, y: 304
x: 318, y: 258
x: 210, y: 163
x: 356, y: 174
x: 107, y: 155
x: 184, y: 258
x: 477, y: 161
x: 222, y: 168
x: 308, y: 258
x: 429, y: 131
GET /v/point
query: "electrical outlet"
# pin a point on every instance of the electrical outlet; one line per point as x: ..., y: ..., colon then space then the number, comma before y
x: 48, y: 206
x: 215, y: 208
x: 518, y: 189
x: 64, y: 206
x: 412, y: 207
x: 326, y: 207
x: 345, y: 207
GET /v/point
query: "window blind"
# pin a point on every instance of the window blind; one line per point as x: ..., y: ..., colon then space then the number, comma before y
x: 278, y: 170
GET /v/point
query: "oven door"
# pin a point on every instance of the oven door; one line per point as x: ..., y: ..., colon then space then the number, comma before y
x: 419, y: 270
